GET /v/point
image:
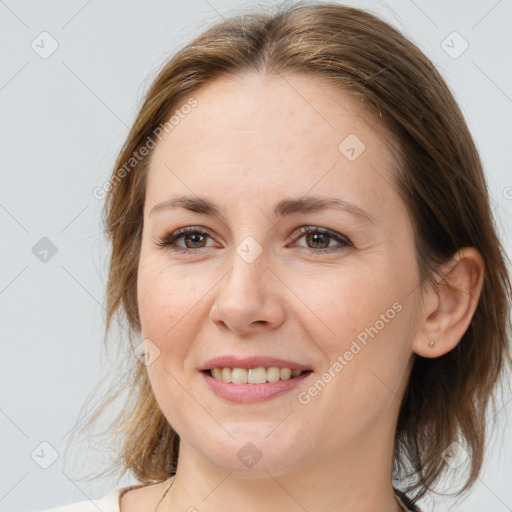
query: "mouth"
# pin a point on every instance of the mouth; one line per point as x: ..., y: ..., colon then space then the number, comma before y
x: 258, y: 375
x: 250, y: 385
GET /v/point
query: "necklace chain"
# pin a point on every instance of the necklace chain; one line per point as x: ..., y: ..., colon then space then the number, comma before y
x: 165, y: 493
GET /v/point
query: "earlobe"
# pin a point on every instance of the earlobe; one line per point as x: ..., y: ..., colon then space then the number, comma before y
x: 450, y: 306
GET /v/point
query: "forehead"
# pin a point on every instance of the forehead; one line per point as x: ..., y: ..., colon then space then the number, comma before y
x: 259, y: 134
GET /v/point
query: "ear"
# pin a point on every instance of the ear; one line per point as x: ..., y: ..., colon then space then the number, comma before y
x: 448, y: 308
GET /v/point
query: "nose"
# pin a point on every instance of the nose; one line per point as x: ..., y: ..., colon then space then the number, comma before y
x: 249, y: 298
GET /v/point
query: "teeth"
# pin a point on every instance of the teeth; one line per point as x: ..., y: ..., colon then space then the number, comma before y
x: 255, y: 375
x: 258, y: 375
x: 239, y: 376
x: 273, y: 374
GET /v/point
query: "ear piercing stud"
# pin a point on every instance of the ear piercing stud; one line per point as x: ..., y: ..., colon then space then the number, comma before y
x: 432, y: 343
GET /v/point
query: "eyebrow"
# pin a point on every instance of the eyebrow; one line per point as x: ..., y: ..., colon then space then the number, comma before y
x: 285, y: 207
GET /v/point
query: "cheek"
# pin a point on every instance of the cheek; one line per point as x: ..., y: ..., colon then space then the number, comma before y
x: 360, y: 317
x: 160, y: 315
x: 166, y: 295
x: 342, y: 302
x: 166, y: 303
x: 173, y: 308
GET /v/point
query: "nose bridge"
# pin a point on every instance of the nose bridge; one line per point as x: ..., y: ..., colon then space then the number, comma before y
x: 245, y: 296
x: 249, y: 264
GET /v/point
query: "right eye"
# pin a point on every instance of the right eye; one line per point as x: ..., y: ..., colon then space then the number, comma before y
x: 191, y: 235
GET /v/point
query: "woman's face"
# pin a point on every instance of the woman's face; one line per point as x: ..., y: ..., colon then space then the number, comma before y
x: 248, y: 282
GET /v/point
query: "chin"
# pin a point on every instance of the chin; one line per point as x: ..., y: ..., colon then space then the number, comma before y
x: 247, y: 454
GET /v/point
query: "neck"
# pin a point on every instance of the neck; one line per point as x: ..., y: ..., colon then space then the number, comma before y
x: 355, y: 479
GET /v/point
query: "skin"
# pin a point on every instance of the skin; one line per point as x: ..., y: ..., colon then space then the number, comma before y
x: 250, y: 142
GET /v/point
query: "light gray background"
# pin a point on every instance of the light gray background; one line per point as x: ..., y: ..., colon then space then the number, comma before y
x: 63, y: 120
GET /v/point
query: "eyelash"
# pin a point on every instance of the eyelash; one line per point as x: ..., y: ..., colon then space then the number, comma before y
x: 167, y: 242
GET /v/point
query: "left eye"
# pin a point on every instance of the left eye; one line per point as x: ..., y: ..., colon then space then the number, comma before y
x: 321, y: 238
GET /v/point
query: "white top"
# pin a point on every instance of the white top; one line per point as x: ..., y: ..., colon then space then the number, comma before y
x: 110, y: 503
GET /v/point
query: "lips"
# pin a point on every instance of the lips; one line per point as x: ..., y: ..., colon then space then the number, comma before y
x: 250, y: 393
x: 218, y: 375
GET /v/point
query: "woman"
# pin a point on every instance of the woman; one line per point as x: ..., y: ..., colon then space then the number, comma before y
x: 302, y: 239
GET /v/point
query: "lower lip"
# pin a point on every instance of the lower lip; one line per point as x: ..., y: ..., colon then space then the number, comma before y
x: 248, y: 393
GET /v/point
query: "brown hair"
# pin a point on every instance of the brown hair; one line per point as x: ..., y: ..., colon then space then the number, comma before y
x: 438, y: 175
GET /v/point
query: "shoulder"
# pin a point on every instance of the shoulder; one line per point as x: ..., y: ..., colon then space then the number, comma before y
x: 107, y: 503
x: 142, y: 496
x: 121, y: 499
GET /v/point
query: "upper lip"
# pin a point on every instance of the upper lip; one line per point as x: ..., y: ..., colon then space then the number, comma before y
x: 229, y: 361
